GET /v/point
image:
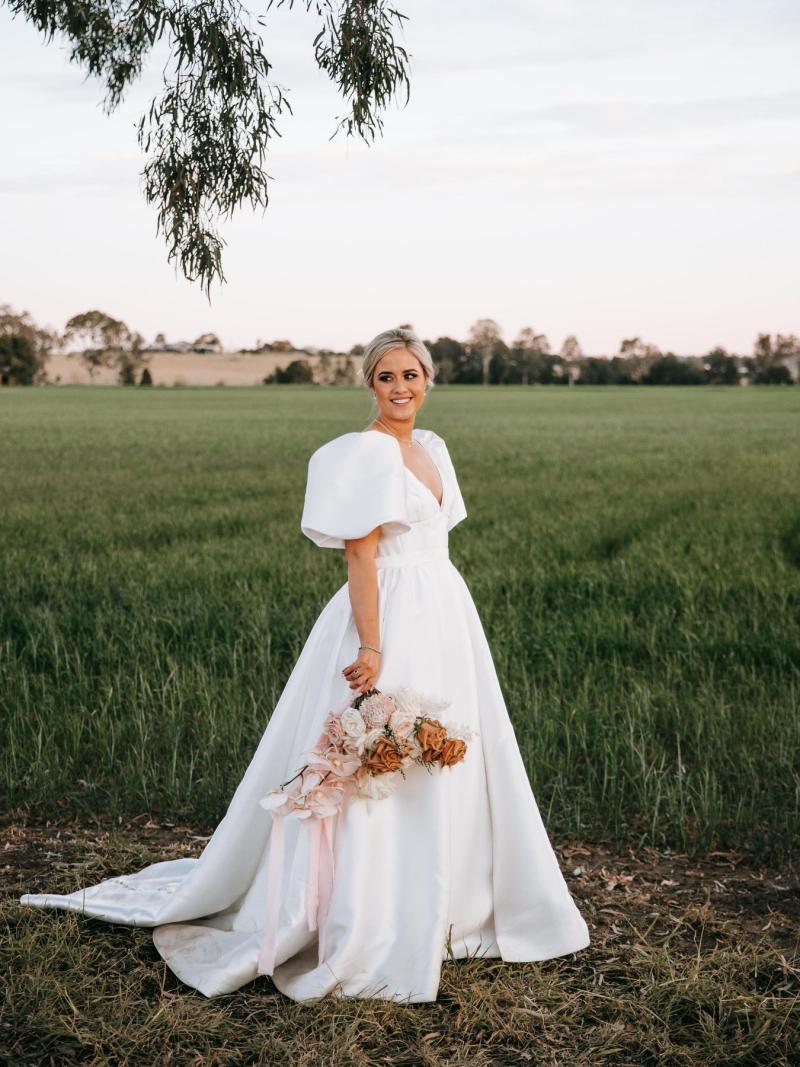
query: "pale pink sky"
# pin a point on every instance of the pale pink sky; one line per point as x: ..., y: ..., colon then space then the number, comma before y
x: 608, y: 168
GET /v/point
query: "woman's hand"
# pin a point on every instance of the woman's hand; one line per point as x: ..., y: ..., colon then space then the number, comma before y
x: 362, y: 673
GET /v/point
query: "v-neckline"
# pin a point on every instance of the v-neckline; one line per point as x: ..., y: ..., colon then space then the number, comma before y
x: 414, y: 432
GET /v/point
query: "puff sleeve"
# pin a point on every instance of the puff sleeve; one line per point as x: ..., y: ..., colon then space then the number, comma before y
x: 355, y: 483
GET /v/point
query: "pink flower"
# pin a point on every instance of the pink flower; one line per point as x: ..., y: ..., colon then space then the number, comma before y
x: 342, y: 765
x: 376, y: 710
x: 323, y: 801
x: 334, y: 731
x: 278, y: 802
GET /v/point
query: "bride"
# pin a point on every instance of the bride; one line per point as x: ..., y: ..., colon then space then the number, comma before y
x: 455, y: 862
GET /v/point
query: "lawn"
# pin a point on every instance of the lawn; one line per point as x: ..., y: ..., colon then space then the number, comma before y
x: 635, y: 557
x: 634, y: 554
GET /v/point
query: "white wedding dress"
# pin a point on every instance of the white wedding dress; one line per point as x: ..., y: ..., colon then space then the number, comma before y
x: 456, y: 862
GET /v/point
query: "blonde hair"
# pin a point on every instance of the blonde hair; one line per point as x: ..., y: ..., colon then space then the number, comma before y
x: 388, y: 341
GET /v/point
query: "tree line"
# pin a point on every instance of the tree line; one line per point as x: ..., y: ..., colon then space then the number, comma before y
x: 101, y: 341
x: 486, y: 359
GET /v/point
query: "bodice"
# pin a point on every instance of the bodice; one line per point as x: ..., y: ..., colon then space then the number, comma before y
x: 427, y: 538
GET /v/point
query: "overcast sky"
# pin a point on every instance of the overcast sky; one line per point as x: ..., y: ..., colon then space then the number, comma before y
x: 608, y: 168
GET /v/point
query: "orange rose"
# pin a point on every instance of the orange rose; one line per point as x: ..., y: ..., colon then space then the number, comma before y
x: 384, y: 757
x: 431, y: 735
x: 453, y: 751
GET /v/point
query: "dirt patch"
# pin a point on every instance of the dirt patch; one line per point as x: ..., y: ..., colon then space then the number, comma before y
x: 692, y: 961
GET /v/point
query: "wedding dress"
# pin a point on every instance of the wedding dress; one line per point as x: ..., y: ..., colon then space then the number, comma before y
x: 456, y: 862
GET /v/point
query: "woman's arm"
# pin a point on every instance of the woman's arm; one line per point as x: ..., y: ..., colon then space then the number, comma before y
x: 362, y: 583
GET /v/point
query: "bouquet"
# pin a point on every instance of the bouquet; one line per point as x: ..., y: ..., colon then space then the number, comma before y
x: 365, y: 750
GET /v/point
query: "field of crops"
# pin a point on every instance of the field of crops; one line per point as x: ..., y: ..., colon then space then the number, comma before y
x: 634, y: 554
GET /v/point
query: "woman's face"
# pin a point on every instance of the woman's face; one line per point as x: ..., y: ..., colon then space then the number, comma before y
x: 399, y: 384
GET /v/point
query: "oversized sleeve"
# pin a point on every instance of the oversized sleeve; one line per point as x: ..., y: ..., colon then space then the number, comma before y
x: 355, y: 483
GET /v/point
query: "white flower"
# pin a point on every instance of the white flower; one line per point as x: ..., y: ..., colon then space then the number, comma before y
x: 431, y: 705
x: 402, y: 723
x: 368, y: 739
x: 352, y: 722
x: 460, y: 730
x: 379, y: 786
x: 408, y: 702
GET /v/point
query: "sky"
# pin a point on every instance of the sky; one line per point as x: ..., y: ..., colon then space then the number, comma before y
x: 602, y: 168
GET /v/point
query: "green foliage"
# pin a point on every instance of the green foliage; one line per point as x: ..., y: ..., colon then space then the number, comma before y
x: 720, y: 368
x: 106, y: 342
x: 635, y: 568
x: 18, y: 364
x: 206, y: 134
x: 298, y: 372
x: 24, y: 348
x: 672, y: 370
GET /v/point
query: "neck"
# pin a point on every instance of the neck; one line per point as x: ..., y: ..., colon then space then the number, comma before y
x: 402, y: 437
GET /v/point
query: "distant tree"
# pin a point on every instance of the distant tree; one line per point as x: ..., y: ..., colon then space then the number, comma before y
x: 146, y: 378
x: 639, y: 356
x: 529, y: 355
x: 770, y: 361
x: 160, y: 339
x: 484, y: 336
x: 720, y: 368
x: 450, y: 358
x: 621, y: 371
x: 106, y: 342
x: 344, y: 373
x: 282, y: 346
x: 570, y: 355
x: 571, y: 350
x: 207, y: 342
x: 206, y: 135
x: 324, y: 373
x: 24, y: 348
x: 17, y: 360
x: 299, y: 371
x: 670, y: 369
x: 357, y: 350
x: 596, y: 371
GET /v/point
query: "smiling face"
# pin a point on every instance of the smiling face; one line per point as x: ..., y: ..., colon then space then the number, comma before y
x: 399, y: 384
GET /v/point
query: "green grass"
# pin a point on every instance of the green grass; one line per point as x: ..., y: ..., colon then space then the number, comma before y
x: 634, y: 555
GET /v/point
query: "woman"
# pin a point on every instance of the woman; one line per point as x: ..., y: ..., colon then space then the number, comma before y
x: 455, y: 862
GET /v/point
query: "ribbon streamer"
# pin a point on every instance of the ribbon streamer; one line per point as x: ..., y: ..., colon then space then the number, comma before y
x: 321, y: 872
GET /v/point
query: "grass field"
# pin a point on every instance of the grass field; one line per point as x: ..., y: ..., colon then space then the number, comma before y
x: 634, y: 555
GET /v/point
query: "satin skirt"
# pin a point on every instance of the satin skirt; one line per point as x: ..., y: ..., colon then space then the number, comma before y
x: 456, y: 862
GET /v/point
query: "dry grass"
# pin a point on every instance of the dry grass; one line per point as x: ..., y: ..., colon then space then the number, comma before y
x: 692, y: 961
x: 181, y: 368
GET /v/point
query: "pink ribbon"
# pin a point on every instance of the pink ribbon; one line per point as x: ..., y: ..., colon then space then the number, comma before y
x: 321, y: 872
x: 320, y: 886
